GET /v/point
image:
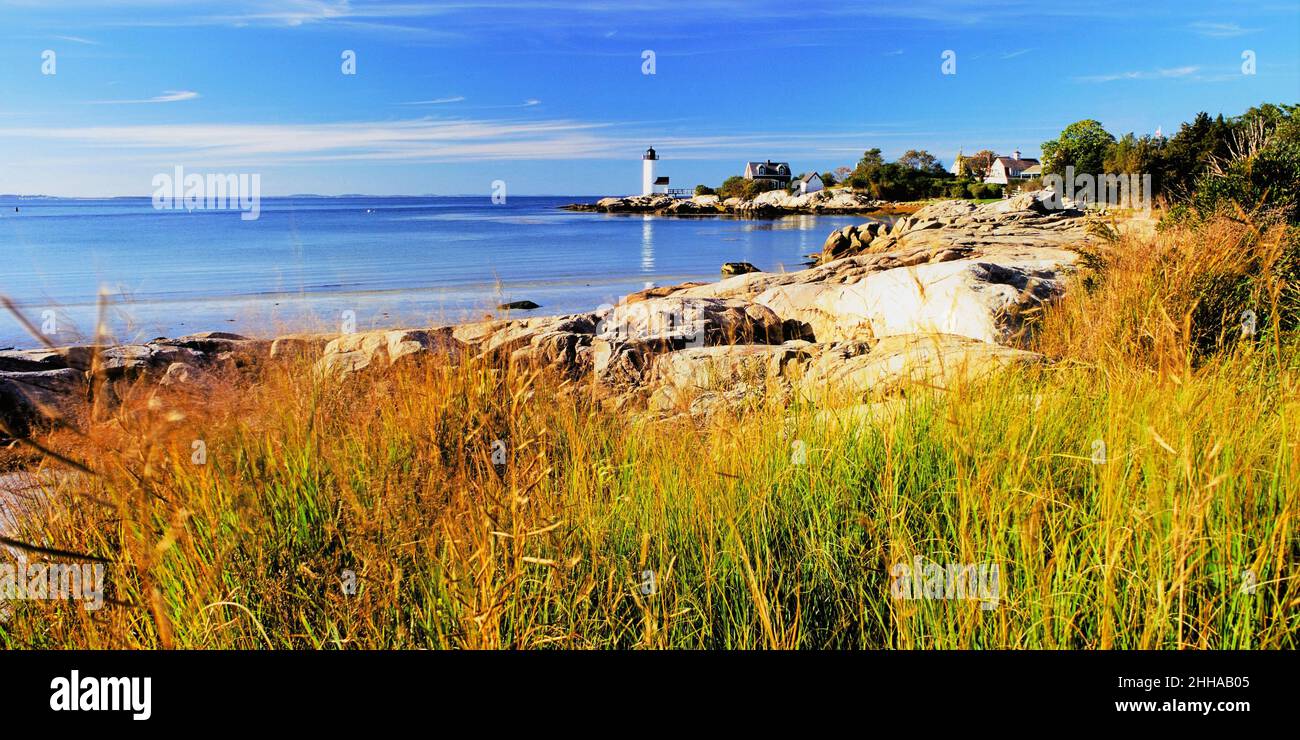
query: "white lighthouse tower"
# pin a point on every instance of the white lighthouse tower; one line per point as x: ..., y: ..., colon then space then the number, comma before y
x: 648, y: 171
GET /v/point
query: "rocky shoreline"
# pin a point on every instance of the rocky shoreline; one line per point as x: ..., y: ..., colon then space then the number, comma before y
x: 766, y: 205
x: 938, y: 295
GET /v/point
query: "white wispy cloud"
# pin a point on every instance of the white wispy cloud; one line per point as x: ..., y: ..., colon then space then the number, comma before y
x: 168, y: 96
x: 406, y: 15
x: 1016, y: 53
x: 1155, y: 74
x: 437, y: 101
x: 77, y: 40
x: 1219, y: 30
x: 418, y: 140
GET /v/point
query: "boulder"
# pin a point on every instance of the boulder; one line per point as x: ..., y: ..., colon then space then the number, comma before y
x: 830, y: 200
x: 354, y: 352
x: 19, y: 361
x: 698, y: 206
x: 697, y: 321
x: 673, y: 402
x: 723, y: 367
x: 659, y: 291
x: 634, y: 204
x: 132, y: 360
x: 983, y: 298
x: 188, y: 377
x: 737, y: 268
x: 32, y: 398
x: 560, y: 351
x: 894, y: 364
x: 299, y: 345
x: 1026, y: 220
x: 499, y: 339
x: 623, y: 363
x: 771, y: 203
x: 850, y: 240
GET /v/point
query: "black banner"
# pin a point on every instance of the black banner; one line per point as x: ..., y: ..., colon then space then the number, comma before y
x: 923, y: 689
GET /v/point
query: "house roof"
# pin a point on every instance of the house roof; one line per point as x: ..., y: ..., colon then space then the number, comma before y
x: 661, y: 181
x: 768, y: 169
x: 809, y: 177
x: 1018, y: 165
x: 1035, y: 170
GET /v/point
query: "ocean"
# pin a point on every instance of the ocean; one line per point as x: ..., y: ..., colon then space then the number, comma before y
x: 390, y: 261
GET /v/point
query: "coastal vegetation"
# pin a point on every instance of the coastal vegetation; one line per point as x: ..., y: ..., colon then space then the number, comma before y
x: 1192, y: 171
x: 1209, y: 165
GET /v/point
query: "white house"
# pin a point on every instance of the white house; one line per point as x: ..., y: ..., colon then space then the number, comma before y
x: 810, y: 183
x: 1006, y: 169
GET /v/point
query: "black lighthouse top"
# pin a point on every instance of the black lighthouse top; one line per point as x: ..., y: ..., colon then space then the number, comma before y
x: 650, y: 154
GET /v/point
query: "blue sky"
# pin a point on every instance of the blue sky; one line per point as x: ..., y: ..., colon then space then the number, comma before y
x: 550, y: 96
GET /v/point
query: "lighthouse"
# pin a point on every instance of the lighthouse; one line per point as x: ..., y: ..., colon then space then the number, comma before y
x: 648, y: 171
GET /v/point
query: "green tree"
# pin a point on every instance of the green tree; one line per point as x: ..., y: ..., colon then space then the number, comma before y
x: 1137, y: 156
x: 734, y: 187
x: 1186, y: 156
x: 1082, y: 144
x: 921, y: 160
x: 867, y: 166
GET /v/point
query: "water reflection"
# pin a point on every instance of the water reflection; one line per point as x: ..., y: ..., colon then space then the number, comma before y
x: 647, y: 244
x: 797, y: 222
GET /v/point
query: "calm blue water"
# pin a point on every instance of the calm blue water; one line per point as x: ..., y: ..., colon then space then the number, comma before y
x: 407, y: 261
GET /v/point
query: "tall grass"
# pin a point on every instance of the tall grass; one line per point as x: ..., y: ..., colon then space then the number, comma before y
x: 390, y: 477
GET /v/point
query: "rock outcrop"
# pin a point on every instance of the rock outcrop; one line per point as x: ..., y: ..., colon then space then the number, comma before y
x: 353, y: 352
x: 939, y: 298
x: 765, y: 205
x: 853, y: 372
x: 1036, y: 219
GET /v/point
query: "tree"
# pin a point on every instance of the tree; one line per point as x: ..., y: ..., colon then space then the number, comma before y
x: 1134, y: 156
x: 978, y: 164
x: 842, y: 173
x: 921, y: 160
x: 828, y: 178
x: 704, y: 190
x: 871, y: 161
x: 1187, y: 155
x: 734, y: 187
x: 865, y: 172
x: 1083, y: 145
